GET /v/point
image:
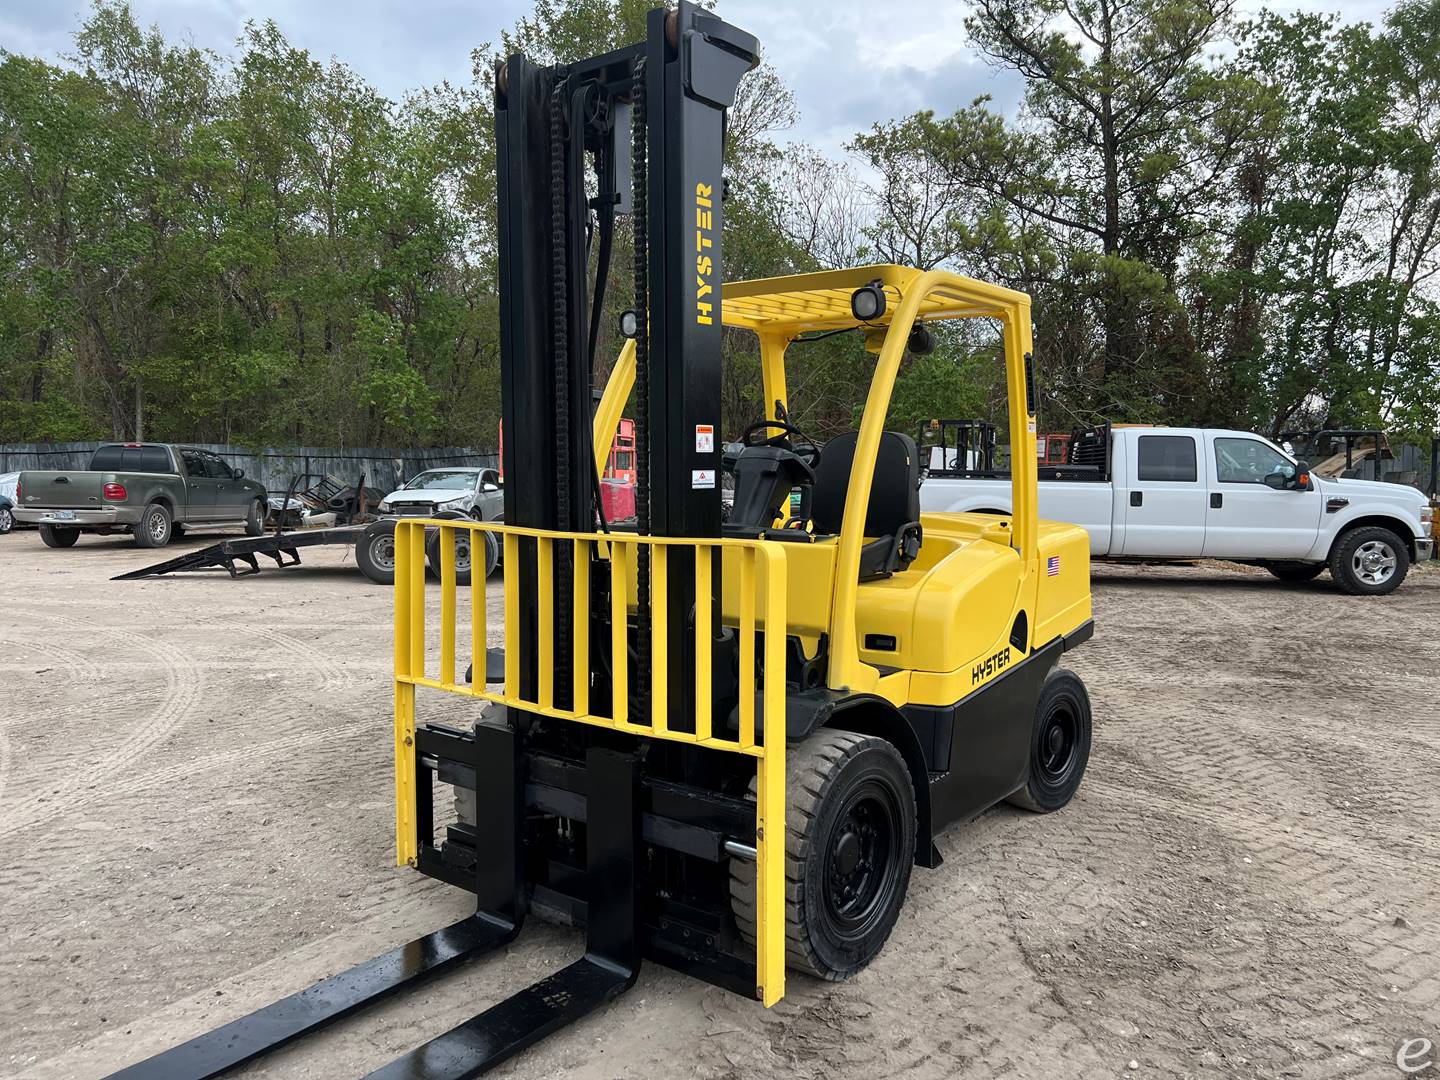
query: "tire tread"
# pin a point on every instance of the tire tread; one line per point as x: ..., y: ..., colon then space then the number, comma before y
x: 811, y: 769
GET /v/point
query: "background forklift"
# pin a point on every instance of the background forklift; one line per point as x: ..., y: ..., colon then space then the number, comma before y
x: 718, y: 746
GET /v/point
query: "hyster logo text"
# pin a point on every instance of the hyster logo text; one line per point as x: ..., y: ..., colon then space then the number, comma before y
x: 994, y: 665
x: 704, y: 263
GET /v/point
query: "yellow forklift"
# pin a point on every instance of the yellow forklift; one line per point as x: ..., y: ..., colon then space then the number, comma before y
x: 719, y: 743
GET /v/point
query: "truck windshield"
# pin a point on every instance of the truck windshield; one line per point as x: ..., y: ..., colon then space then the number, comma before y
x: 146, y: 459
x: 454, y: 479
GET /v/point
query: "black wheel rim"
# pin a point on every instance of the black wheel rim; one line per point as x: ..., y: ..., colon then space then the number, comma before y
x: 1057, y: 751
x: 862, y: 868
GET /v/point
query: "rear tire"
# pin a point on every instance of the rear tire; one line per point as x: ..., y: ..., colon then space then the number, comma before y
x: 1295, y: 571
x: 375, y: 551
x: 154, y: 528
x: 57, y: 536
x: 464, y: 553
x: 492, y: 553
x: 1369, y: 561
x: 1059, y: 744
x: 255, y: 519
x: 7, y: 520
x: 849, y: 847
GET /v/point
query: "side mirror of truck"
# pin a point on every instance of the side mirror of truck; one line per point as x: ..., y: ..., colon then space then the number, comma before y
x: 237, y: 474
x: 1290, y: 478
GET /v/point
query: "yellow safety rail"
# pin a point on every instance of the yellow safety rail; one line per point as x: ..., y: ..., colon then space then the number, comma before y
x: 761, y: 604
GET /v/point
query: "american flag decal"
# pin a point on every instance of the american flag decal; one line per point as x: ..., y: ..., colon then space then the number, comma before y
x: 1052, y: 566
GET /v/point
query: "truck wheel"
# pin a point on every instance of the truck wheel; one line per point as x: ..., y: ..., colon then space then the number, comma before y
x: 375, y: 551
x: 1295, y: 571
x: 255, y: 519
x: 7, y: 520
x: 1369, y: 561
x: 492, y: 553
x: 462, y: 555
x: 849, y: 846
x: 1059, y: 744
x: 58, y: 536
x: 153, y: 530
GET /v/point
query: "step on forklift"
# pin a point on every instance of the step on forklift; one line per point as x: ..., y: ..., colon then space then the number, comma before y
x: 719, y: 744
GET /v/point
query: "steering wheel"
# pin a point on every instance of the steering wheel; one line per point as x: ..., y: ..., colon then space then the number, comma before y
x: 805, y: 448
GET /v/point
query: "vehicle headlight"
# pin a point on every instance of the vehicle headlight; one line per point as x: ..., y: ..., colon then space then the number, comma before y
x: 383, y: 506
x: 453, y: 504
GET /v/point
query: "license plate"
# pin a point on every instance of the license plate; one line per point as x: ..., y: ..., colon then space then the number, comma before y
x: 64, y: 515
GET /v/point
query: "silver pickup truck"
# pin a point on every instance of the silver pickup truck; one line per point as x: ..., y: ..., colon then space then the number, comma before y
x: 146, y: 489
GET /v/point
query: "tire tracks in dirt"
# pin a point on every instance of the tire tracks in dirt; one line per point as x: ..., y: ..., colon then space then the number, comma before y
x: 184, y: 682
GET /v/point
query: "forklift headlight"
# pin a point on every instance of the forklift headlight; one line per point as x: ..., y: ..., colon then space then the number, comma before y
x: 867, y: 303
x: 629, y: 323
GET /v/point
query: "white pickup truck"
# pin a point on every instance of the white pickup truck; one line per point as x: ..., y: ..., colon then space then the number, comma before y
x: 1157, y: 493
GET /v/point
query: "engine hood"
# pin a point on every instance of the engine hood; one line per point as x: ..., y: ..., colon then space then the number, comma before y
x: 1371, y: 491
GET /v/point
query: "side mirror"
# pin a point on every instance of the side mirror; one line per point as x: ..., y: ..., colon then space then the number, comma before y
x: 237, y: 474
x: 1289, y: 478
x: 487, y: 486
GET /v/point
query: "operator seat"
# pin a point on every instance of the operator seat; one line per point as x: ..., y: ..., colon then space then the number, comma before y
x: 893, y: 516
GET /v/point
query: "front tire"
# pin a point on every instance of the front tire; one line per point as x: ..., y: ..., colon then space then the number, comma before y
x: 1369, y: 561
x: 57, y: 536
x: 1059, y: 744
x: 1295, y: 572
x: 153, y: 529
x: 849, y: 847
x: 375, y: 551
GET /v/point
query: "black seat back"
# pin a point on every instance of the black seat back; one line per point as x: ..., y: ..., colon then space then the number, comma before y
x: 894, y: 490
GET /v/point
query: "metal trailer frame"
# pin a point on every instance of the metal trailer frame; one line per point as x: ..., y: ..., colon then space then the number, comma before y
x: 283, y: 547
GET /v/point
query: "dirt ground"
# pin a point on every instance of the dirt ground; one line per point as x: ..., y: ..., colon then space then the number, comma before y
x: 196, y: 812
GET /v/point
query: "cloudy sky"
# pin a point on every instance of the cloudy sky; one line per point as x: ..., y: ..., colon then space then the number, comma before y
x: 849, y: 62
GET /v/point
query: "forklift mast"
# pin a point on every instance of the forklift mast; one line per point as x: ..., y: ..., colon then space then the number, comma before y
x: 638, y: 131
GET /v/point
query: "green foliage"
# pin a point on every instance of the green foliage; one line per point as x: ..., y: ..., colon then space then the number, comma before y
x: 941, y: 386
